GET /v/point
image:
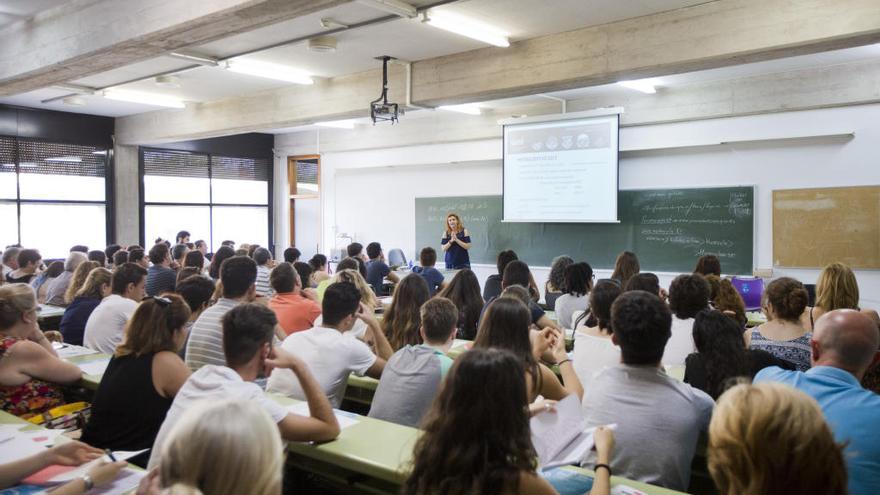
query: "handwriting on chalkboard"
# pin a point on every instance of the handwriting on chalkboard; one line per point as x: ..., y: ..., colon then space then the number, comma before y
x: 458, y: 207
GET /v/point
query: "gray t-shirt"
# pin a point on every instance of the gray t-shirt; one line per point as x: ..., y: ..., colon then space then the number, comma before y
x: 409, y: 382
x: 566, y: 305
x: 57, y: 288
x: 659, y: 420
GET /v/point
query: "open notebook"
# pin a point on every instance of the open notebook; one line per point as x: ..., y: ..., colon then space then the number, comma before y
x: 562, y: 437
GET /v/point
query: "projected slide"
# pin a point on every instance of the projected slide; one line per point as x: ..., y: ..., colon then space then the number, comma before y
x: 562, y: 171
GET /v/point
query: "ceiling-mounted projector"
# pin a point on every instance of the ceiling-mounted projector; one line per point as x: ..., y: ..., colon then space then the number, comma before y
x: 380, y: 109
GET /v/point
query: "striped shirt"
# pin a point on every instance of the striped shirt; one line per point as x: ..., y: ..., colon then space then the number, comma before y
x: 262, y: 283
x: 160, y: 279
x: 205, y: 345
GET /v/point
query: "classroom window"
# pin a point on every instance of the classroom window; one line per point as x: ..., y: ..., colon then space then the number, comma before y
x: 52, y: 195
x: 213, y: 197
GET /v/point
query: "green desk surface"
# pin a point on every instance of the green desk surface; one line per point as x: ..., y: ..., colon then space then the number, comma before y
x: 47, y: 311
x: 755, y: 318
x: 11, y: 419
x: 89, y: 382
x: 617, y: 480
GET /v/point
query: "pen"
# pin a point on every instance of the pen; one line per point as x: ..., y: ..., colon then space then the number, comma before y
x: 110, y: 454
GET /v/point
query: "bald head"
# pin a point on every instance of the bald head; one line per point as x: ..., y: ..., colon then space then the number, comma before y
x: 846, y: 339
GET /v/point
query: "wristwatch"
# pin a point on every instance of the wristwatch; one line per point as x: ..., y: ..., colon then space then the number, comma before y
x: 87, y: 481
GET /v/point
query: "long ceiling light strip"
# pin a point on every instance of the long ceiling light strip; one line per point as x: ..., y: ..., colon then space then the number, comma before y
x: 267, y: 70
x: 465, y: 26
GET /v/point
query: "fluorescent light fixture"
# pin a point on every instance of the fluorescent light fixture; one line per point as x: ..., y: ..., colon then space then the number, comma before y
x: 395, y: 7
x: 144, y: 98
x: 468, y: 108
x: 102, y: 152
x: 268, y: 70
x: 466, y: 27
x: 64, y: 159
x: 643, y: 85
x: 74, y: 101
x: 337, y: 124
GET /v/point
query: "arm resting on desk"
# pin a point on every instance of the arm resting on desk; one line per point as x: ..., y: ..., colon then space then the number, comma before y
x: 35, y: 361
x: 321, y: 425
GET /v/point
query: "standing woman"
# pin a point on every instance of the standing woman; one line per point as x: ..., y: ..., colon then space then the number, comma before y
x: 456, y: 241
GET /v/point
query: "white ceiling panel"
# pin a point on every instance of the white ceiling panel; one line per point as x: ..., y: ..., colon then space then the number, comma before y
x: 133, y: 71
x: 12, y: 11
x: 95, y: 105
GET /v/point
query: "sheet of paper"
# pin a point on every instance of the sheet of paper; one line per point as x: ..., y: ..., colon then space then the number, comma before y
x: 553, y: 431
x: 344, y: 418
x: 127, y: 480
x: 121, y: 455
x: 18, y: 446
x: 42, y: 437
x: 95, y: 368
x: 461, y: 343
x: 8, y: 432
x: 625, y: 490
x: 70, y: 350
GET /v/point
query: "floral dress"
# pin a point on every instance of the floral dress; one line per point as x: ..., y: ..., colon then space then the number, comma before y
x: 31, y: 398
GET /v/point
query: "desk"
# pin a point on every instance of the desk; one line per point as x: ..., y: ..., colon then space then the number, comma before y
x: 755, y: 318
x: 89, y: 382
x: 49, y: 317
x: 617, y: 480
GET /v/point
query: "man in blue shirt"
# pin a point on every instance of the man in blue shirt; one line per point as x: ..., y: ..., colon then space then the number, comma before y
x: 427, y: 258
x: 377, y: 269
x: 844, y: 346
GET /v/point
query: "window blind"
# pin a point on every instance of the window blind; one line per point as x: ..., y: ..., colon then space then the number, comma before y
x: 42, y: 157
x: 175, y: 164
x: 226, y: 167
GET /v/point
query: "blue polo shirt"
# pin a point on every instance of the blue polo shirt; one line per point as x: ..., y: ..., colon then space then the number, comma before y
x: 852, y: 412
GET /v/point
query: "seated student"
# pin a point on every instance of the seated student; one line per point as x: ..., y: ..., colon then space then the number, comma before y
x: 196, y: 291
x: 195, y: 259
x: 626, y: 265
x: 228, y: 243
x: 10, y: 260
x: 120, y: 257
x: 57, y: 288
x: 688, y: 295
x: 783, y: 336
x: 41, y: 282
x: 836, y: 288
x: 178, y: 255
x: 368, y: 299
x: 98, y: 257
x: 647, y: 282
x: 29, y: 262
x: 201, y: 246
x: 294, y: 311
x: 205, y: 345
x: 593, y: 347
x: 182, y: 237
x: 708, y: 264
x: 427, y: 259
x: 844, y: 346
x: 356, y: 250
x: 578, y: 280
x: 141, y: 380
x: 110, y: 251
x: 505, y: 325
x: 345, y: 264
x: 517, y: 273
x: 412, y: 376
x: 29, y: 367
x: 70, y: 453
x: 464, y: 292
x: 728, y: 301
x: 305, y: 274
x: 222, y: 254
x: 185, y: 273
x: 326, y: 351
x: 160, y: 277
x: 291, y: 255
x: 476, y: 435
x: 263, y: 258
x: 401, y: 320
x: 319, y: 268
x: 555, y: 285
x: 223, y: 448
x: 105, y: 327
x: 659, y: 418
x: 247, y: 334
x: 97, y: 287
x: 492, y: 289
x: 79, y: 279
x: 769, y: 438
x: 138, y: 257
x: 722, y: 355
x: 377, y: 269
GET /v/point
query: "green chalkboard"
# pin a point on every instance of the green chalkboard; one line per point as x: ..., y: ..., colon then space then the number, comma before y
x: 667, y: 228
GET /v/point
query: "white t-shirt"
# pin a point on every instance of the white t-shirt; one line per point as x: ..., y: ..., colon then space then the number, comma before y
x: 591, y: 355
x: 566, y: 305
x: 681, y: 343
x: 331, y: 357
x: 105, y: 327
x: 212, y: 383
x: 357, y: 331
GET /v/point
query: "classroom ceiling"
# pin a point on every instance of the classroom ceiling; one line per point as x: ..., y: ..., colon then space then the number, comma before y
x: 16, y: 10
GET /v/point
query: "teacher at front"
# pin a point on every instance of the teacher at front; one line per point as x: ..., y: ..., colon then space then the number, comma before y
x: 456, y: 241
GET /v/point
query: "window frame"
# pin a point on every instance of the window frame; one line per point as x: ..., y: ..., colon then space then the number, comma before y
x: 108, y: 203
x: 142, y: 203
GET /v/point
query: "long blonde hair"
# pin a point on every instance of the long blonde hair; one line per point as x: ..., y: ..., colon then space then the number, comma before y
x: 771, y: 438
x: 368, y: 297
x: 78, y: 279
x: 223, y: 448
x: 15, y: 300
x: 837, y: 288
x: 95, y: 279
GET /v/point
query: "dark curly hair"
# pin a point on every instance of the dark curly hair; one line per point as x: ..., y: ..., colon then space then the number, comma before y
x: 464, y: 292
x: 719, y: 341
x: 471, y: 444
x: 642, y: 325
x: 688, y: 295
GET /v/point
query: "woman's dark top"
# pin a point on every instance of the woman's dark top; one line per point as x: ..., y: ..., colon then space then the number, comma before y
x: 127, y: 410
x: 26, y: 279
x: 695, y: 367
x: 456, y: 256
x: 492, y: 289
x: 550, y: 299
x: 73, y: 323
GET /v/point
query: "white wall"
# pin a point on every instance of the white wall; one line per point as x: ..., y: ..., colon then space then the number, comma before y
x: 370, y: 193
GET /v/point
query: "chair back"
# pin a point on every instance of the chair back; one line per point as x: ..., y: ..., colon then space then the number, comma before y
x: 396, y: 257
x: 751, y: 289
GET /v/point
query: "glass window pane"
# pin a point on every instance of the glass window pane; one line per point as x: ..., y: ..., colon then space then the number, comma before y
x: 61, y: 187
x: 167, y: 221
x: 9, y: 221
x: 7, y: 181
x: 251, y: 192
x: 165, y: 189
x: 54, y: 228
x: 242, y: 224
